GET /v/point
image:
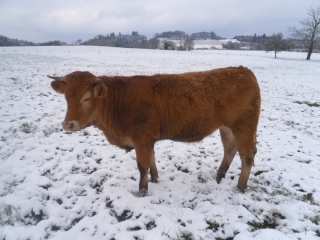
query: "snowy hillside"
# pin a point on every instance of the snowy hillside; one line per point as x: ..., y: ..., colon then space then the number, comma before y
x: 57, y: 185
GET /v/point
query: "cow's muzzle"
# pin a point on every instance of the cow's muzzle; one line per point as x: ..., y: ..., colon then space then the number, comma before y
x: 71, y: 126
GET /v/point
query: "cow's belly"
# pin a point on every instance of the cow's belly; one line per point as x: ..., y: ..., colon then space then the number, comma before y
x: 124, y: 142
x: 194, y: 131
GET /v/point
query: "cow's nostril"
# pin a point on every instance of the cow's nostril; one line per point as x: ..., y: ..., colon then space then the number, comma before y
x: 67, y: 126
x: 70, y: 126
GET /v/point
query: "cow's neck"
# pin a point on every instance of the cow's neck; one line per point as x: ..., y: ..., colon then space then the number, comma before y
x: 101, y: 120
x: 107, y: 119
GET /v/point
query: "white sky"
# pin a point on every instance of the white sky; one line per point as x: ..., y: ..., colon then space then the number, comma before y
x: 70, y: 20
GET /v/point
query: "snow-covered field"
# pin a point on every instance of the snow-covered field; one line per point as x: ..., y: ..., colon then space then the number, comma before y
x: 57, y: 185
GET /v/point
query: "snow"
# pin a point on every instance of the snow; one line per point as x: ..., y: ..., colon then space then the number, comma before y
x: 58, y: 185
x: 200, y: 44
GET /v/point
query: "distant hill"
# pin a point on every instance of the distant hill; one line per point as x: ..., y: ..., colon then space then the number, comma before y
x: 5, y: 41
x: 175, y: 35
x: 8, y: 42
x: 101, y: 40
x: 122, y: 40
x: 53, y: 43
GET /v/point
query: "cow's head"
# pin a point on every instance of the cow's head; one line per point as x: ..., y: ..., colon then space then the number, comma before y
x: 84, y: 93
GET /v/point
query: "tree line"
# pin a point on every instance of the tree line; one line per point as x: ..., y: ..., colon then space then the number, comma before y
x: 133, y: 40
x: 307, y: 37
x: 178, y: 35
x: 138, y: 41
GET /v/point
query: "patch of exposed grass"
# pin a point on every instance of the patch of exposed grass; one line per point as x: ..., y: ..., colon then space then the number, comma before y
x: 185, y: 235
x: 5, y: 221
x: 315, y: 220
x: 276, y: 191
x: 182, y: 235
x: 8, y: 216
x: 281, y: 192
x: 269, y: 221
x: 257, y: 186
x: 202, y: 178
x: 27, y: 127
x: 305, y: 161
x: 261, y: 225
x: 259, y: 172
x: 308, y: 103
x: 213, y: 225
x: 256, y: 197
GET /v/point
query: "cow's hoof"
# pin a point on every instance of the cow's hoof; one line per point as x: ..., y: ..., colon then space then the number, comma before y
x: 155, y: 180
x: 241, y: 189
x: 219, y: 178
x: 142, y: 193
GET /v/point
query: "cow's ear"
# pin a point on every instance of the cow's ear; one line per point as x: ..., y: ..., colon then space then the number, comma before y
x: 100, y: 90
x: 58, y: 86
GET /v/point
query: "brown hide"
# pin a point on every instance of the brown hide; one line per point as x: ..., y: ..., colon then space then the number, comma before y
x: 137, y: 111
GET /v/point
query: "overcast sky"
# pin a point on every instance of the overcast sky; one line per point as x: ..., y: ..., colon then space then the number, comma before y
x: 70, y: 20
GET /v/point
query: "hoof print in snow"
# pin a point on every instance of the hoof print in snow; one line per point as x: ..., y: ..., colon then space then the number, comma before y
x: 134, y: 229
x: 151, y: 225
x: 34, y: 218
x: 125, y: 215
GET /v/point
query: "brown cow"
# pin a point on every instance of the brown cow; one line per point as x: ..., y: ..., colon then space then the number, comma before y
x: 136, y: 112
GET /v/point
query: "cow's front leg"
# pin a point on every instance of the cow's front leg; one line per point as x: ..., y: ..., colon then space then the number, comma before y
x: 143, y: 184
x: 145, y: 154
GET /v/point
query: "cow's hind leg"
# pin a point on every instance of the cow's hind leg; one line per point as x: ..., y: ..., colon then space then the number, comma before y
x: 153, y: 169
x: 230, y: 150
x: 246, y: 146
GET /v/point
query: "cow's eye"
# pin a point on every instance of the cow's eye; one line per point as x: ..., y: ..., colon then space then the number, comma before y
x: 86, y: 100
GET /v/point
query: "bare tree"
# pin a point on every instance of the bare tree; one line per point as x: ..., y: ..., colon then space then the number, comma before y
x: 181, y: 47
x: 231, y: 45
x: 276, y: 43
x: 169, y: 45
x: 309, y: 33
x: 154, y: 43
x: 188, y: 44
